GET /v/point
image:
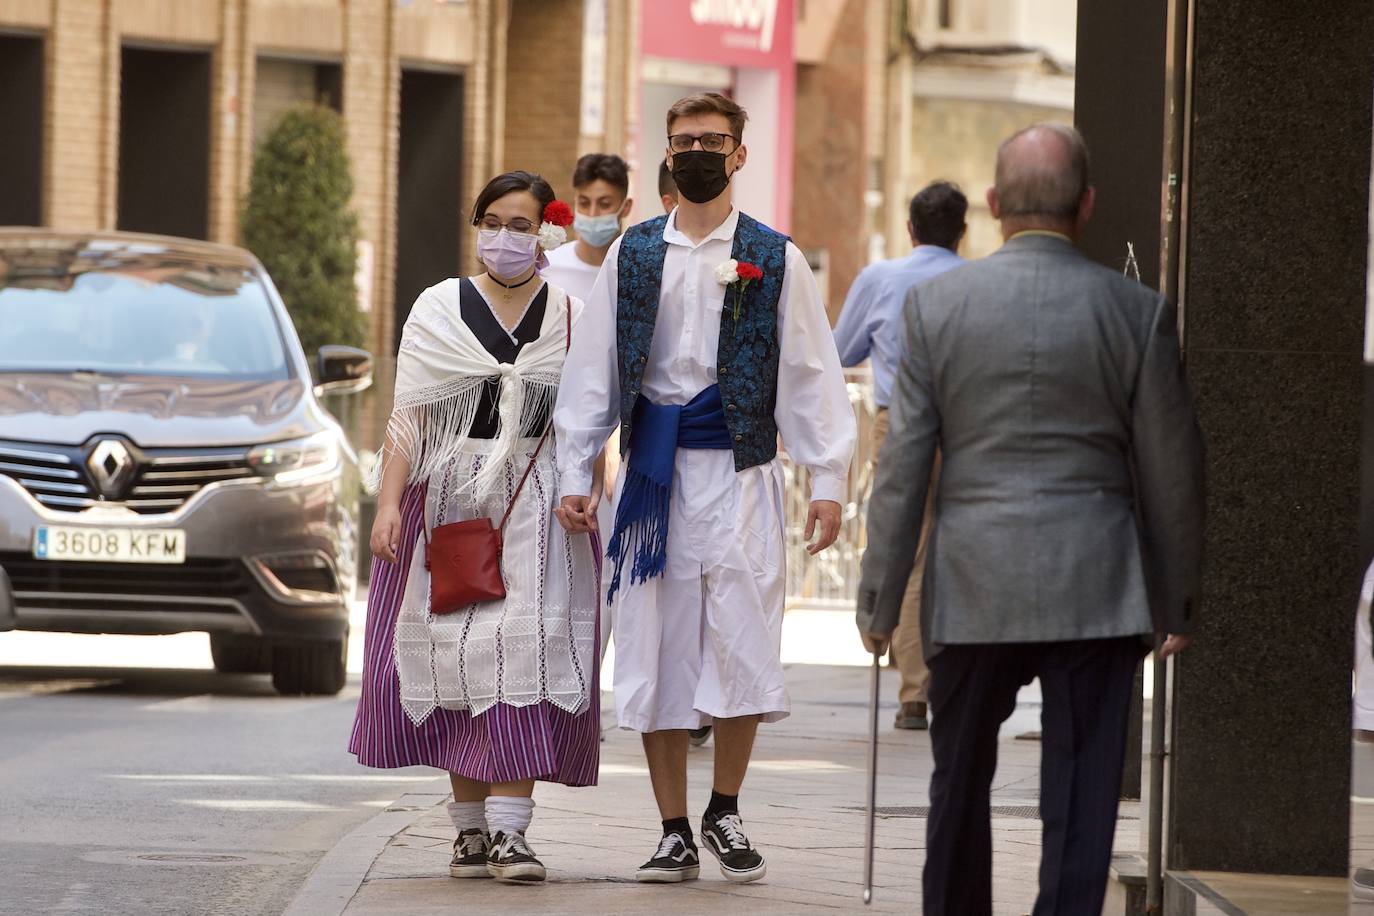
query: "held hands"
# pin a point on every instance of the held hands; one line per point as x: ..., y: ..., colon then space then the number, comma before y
x: 577, y: 513
x: 386, y: 533
x: 826, y: 512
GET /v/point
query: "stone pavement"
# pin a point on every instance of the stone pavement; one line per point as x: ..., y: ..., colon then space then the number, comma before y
x: 802, y: 805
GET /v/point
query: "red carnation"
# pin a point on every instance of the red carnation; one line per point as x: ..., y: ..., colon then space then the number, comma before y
x: 558, y: 213
x: 748, y: 271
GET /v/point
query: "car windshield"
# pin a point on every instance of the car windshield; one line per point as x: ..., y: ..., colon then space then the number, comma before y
x: 151, y: 316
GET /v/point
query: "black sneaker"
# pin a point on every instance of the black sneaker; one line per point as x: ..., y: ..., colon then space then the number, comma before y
x: 698, y: 736
x: 723, y: 835
x: 676, y: 860
x: 512, y: 860
x: 470, y: 854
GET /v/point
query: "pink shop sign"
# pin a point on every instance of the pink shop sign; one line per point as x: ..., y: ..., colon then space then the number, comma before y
x: 737, y: 33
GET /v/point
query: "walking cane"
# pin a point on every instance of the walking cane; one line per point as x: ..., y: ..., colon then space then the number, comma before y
x: 872, y: 781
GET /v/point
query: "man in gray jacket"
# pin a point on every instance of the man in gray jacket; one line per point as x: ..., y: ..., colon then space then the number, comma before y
x: 1068, y: 527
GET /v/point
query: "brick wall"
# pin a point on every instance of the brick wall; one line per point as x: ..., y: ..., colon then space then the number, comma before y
x: 830, y: 174
x: 225, y: 90
x: 371, y: 96
x: 280, y: 86
x: 83, y: 74
x: 543, y: 89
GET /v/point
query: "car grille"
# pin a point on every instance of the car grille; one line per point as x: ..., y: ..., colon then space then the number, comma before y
x: 58, y: 478
x: 197, y: 578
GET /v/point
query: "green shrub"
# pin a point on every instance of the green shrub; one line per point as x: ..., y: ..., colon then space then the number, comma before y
x: 297, y: 221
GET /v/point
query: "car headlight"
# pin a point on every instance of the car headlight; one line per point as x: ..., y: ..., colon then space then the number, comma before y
x: 296, y: 460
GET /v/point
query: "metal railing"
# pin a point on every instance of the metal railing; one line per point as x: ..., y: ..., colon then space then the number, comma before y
x: 831, y: 579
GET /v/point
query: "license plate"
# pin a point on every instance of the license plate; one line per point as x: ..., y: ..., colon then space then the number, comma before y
x: 110, y: 545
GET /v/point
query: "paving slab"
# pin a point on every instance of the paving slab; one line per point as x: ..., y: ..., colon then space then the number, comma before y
x: 802, y: 804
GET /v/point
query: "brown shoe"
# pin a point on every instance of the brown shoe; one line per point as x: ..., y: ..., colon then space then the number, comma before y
x: 912, y: 716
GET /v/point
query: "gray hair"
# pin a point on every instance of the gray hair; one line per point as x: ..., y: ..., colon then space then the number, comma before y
x: 1036, y: 179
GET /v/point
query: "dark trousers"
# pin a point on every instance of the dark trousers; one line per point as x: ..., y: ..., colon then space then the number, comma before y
x: 1087, y: 693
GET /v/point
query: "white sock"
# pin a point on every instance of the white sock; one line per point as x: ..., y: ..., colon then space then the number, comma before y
x: 509, y: 814
x: 467, y: 815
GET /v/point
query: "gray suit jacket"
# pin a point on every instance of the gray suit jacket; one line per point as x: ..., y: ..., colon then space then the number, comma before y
x: 1070, y: 504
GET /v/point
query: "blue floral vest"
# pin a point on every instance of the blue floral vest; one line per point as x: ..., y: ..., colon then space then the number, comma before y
x: 747, y: 357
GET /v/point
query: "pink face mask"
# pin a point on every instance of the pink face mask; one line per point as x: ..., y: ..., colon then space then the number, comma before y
x: 507, y: 254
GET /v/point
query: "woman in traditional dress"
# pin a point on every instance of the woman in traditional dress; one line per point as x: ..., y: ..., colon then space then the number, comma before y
x: 505, y: 692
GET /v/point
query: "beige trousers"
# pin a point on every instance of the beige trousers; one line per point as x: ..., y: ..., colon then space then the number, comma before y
x: 906, y: 639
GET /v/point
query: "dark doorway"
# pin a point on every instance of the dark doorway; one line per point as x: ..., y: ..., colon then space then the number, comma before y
x: 1119, y: 107
x: 21, y: 113
x: 429, y: 199
x: 164, y: 142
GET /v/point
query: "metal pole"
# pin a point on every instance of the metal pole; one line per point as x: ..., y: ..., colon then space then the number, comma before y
x: 1154, y: 882
x: 872, y: 781
x: 1172, y: 283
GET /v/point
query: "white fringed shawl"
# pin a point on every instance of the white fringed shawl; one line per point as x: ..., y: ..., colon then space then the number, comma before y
x: 440, y: 372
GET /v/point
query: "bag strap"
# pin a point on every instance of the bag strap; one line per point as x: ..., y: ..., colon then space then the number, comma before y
x: 567, y: 346
x: 510, y: 507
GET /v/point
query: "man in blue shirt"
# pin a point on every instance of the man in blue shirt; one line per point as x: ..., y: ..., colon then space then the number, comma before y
x: 870, y: 326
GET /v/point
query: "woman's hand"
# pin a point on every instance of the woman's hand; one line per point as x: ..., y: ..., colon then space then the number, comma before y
x: 386, y: 532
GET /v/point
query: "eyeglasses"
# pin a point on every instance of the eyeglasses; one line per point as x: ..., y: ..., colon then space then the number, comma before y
x: 519, y: 224
x: 711, y: 143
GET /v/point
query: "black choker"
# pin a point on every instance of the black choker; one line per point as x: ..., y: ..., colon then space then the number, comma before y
x: 512, y: 285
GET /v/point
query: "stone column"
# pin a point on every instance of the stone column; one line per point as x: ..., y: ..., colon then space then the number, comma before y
x: 370, y: 100
x: 1273, y: 306
x: 226, y: 124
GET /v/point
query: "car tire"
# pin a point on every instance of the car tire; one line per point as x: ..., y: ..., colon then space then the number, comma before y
x: 315, y: 668
x: 240, y: 654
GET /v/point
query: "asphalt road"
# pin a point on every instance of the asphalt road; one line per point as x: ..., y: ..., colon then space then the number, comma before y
x: 160, y: 789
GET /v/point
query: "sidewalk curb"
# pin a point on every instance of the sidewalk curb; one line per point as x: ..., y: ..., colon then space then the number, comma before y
x: 336, y: 878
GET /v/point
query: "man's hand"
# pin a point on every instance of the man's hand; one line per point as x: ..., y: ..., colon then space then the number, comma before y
x: 576, y: 514
x: 876, y: 643
x: 827, y: 513
x: 1174, y: 644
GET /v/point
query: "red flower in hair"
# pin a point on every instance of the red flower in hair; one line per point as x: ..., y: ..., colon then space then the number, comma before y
x: 748, y: 271
x: 558, y: 213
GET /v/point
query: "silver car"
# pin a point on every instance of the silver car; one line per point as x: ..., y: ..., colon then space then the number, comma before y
x: 165, y: 462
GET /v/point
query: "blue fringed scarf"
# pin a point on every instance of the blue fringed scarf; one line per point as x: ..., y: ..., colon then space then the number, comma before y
x: 641, y: 519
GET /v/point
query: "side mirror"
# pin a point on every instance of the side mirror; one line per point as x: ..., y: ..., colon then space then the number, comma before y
x: 343, y: 370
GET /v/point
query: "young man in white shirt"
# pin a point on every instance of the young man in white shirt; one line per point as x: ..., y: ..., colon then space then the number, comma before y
x: 705, y: 338
x: 601, y: 183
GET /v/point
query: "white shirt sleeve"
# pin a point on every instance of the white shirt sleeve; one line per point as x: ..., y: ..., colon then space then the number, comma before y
x: 813, y: 412
x: 588, y: 405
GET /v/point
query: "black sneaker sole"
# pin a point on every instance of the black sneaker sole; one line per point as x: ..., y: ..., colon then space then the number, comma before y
x: 469, y: 871
x: 668, y: 875
x: 738, y: 875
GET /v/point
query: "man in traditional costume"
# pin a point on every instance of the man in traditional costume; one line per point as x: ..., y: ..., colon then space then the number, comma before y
x: 704, y: 338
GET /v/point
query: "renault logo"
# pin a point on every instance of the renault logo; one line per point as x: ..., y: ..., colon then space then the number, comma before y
x: 111, y: 466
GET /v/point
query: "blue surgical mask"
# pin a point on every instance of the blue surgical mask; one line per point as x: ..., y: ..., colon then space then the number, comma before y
x: 597, y: 231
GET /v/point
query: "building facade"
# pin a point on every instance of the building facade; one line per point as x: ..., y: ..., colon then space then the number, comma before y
x: 962, y: 75
x: 144, y: 115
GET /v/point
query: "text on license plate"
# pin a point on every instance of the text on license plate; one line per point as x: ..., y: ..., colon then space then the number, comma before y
x: 117, y: 545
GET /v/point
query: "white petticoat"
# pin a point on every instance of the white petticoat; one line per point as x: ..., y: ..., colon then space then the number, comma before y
x: 538, y: 643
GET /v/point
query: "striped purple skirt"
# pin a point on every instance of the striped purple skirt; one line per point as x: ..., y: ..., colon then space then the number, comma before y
x: 503, y: 744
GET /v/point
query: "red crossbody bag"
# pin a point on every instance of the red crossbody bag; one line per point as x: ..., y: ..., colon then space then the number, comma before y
x: 464, y: 558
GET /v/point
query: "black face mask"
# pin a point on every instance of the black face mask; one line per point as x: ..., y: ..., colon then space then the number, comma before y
x: 700, y: 176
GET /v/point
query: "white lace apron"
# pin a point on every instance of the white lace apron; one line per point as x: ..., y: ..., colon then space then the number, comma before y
x: 539, y: 643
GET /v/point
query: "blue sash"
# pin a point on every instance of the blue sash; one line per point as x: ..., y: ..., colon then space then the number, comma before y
x: 641, y: 519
